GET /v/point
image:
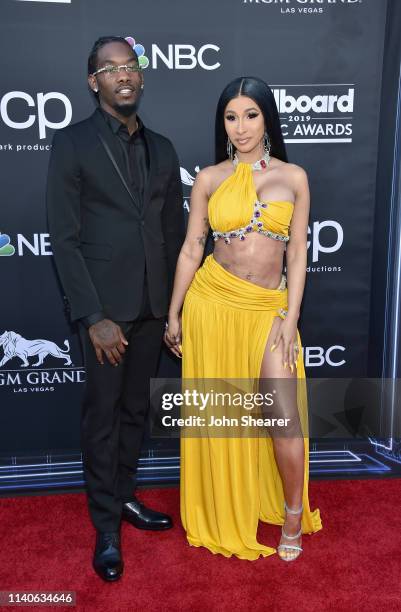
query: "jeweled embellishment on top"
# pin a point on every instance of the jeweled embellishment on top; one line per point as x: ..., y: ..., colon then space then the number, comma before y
x: 261, y: 164
x: 254, y: 225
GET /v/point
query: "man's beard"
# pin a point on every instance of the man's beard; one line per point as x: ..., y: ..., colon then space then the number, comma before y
x: 128, y: 109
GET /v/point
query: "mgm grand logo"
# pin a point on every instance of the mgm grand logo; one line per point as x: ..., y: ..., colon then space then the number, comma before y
x: 28, y: 356
x: 302, y: 2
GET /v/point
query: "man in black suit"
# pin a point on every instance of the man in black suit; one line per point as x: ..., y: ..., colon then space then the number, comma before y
x: 116, y: 222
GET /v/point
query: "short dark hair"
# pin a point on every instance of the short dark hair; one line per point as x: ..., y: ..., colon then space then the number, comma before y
x: 260, y: 92
x: 104, y: 40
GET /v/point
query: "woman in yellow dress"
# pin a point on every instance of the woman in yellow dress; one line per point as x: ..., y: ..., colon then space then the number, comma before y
x: 235, y: 317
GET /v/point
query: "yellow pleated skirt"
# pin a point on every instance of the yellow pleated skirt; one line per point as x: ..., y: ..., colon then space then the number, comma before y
x: 228, y: 484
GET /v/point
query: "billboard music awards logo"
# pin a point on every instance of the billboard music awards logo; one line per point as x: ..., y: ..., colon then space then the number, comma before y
x: 313, y: 113
x: 27, y: 374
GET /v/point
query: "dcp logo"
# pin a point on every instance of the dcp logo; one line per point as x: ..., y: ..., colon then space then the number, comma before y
x: 39, y: 104
x: 336, y: 233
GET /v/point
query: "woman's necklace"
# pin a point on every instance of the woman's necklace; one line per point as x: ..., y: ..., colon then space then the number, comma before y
x: 261, y: 164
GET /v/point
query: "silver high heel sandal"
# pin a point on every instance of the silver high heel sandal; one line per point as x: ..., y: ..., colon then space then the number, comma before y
x: 293, y: 537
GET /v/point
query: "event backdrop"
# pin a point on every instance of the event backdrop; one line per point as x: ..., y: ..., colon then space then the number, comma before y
x: 323, y: 60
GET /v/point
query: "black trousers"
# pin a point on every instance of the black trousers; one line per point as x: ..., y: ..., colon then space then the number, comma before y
x: 114, y: 411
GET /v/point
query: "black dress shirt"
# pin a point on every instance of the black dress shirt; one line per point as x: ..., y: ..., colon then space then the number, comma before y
x: 135, y: 152
x: 136, y: 156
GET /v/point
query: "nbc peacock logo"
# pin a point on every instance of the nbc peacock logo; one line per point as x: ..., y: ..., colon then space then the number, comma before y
x: 139, y: 50
x: 6, y: 248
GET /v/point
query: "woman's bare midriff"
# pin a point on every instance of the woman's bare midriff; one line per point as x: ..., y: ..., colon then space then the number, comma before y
x: 258, y: 259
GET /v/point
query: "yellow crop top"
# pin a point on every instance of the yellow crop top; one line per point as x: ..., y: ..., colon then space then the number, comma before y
x: 234, y: 209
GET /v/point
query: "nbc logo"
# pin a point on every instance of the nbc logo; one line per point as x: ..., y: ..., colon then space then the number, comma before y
x: 175, y: 56
x: 139, y: 50
x: 6, y: 249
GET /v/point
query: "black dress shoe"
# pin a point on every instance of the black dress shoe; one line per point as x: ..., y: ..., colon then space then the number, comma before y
x: 107, y: 561
x: 143, y: 518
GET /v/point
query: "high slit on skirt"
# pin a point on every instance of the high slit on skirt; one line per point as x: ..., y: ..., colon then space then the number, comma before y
x: 229, y: 484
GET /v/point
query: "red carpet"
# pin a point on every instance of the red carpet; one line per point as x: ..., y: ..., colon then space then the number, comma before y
x: 352, y: 565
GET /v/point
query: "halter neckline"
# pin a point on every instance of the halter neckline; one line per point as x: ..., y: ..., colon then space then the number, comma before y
x: 259, y: 164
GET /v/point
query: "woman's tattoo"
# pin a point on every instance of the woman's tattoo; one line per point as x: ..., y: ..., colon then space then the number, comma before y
x: 202, y: 239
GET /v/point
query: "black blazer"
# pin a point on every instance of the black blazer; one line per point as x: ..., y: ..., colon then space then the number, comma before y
x: 100, y: 236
